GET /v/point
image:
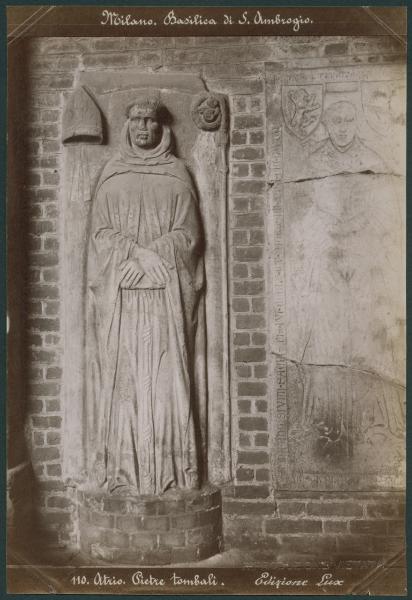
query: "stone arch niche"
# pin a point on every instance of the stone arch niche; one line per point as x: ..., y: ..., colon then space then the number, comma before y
x: 93, y: 118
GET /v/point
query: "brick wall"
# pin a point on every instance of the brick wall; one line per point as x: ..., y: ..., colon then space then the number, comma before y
x: 230, y: 65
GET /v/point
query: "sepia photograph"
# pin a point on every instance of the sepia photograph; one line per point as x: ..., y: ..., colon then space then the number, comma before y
x: 206, y: 274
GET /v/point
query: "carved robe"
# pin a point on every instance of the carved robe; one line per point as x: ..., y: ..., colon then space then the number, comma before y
x: 146, y: 383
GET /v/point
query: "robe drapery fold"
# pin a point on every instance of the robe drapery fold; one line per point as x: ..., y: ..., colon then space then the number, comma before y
x: 145, y: 346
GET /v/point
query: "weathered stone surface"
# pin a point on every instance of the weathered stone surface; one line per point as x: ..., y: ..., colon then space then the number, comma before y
x: 338, y: 332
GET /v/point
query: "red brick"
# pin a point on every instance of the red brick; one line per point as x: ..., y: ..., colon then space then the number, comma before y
x: 260, y: 371
x: 44, y: 324
x: 241, y: 204
x: 43, y: 356
x: 243, y: 371
x: 51, y: 275
x: 261, y: 439
x: 34, y: 243
x: 107, y: 60
x: 335, y: 526
x: 244, y: 440
x: 50, y: 116
x: 248, y: 153
x: 44, y: 194
x: 240, y: 170
x: 252, y: 388
x: 172, y: 538
x: 382, y: 510
x: 38, y: 438
x: 35, y: 373
x: 258, y: 338
x: 249, y: 220
x: 291, y: 507
x: 241, y: 339
x: 47, y: 422
x: 44, y: 259
x: 45, y: 99
x: 243, y: 474
x: 53, y: 438
x: 250, y: 355
x: 396, y: 528
x: 189, y: 56
x: 258, y: 169
x: 100, y: 519
x: 149, y: 58
x: 156, y: 523
x: 116, y: 539
x: 248, y: 288
x: 59, y: 502
x: 187, y: 521
x: 41, y: 226
x: 240, y: 237
x: 250, y: 321
x: 339, y: 509
x: 51, y: 243
x: 50, y: 130
x: 248, y: 508
x: 35, y: 405
x: 253, y: 423
x: 51, y: 308
x: 46, y: 454
x: 45, y: 389
x: 256, y: 236
x: 33, y: 178
x: 129, y: 523
x: 45, y: 291
x: 253, y: 458
x: 51, y: 178
x: 251, y: 491
x: 57, y: 518
x: 238, y: 137
x: 53, y: 405
x: 248, y: 121
x: 369, y: 527
x: 253, y: 186
x: 241, y: 305
x: 262, y: 475
x: 244, y: 406
x: 293, y: 526
x: 256, y: 137
x: 54, y: 470
x: 53, y: 373
x: 50, y: 146
x: 248, y: 253
x: 240, y: 104
x: 336, y: 49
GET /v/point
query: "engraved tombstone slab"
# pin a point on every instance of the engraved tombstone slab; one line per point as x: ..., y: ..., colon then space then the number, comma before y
x: 337, y: 252
x: 199, y: 125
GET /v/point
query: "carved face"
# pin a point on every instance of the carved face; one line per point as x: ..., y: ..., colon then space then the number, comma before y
x: 145, y: 130
x: 340, y: 120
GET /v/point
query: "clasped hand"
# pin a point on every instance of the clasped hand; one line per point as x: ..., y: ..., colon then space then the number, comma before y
x: 148, y: 263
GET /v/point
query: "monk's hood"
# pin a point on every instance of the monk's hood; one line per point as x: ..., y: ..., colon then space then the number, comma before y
x: 154, y: 161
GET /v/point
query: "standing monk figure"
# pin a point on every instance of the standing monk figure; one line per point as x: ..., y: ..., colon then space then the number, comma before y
x: 145, y: 280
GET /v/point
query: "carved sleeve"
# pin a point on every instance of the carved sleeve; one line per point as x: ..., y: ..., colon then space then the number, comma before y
x: 105, y: 232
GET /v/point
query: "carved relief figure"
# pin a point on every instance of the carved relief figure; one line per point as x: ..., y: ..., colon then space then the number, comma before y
x: 343, y: 151
x: 145, y: 280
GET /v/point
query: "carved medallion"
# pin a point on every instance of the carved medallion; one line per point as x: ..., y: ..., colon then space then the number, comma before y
x: 207, y: 111
x: 302, y: 108
x: 384, y: 105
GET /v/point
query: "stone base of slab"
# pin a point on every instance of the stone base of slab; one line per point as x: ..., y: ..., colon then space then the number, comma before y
x: 179, y: 526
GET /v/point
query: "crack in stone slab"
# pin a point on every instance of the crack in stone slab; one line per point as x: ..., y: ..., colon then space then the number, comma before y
x: 344, y: 174
x: 342, y: 366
